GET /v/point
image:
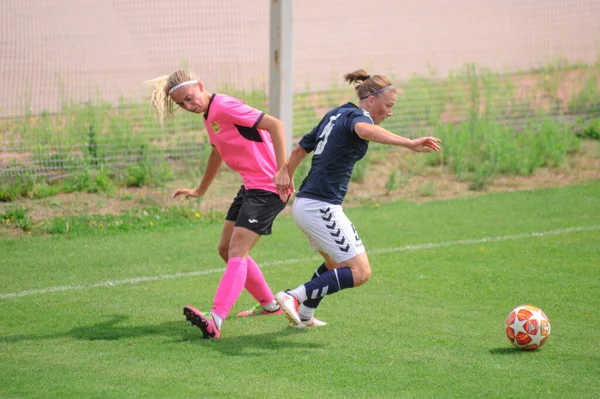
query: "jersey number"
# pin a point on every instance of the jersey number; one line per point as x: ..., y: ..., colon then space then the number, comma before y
x: 325, y: 135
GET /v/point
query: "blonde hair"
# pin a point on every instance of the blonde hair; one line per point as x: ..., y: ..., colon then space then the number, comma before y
x: 160, y: 99
x: 367, y: 85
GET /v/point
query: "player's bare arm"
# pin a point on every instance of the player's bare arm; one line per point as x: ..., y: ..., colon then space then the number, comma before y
x: 213, y: 164
x: 296, y: 157
x: 275, y: 128
x: 377, y: 134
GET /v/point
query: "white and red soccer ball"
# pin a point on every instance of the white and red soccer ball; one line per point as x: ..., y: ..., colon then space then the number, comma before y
x: 527, y: 327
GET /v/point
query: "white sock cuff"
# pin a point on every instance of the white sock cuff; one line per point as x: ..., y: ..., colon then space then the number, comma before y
x: 271, y: 307
x: 218, y: 320
x: 300, y: 293
x: 306, y: 313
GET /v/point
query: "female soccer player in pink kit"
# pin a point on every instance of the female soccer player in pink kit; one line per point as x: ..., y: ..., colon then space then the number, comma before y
x: 251, y: 143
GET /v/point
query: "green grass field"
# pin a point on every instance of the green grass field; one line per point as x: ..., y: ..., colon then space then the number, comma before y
x: 101, y: 316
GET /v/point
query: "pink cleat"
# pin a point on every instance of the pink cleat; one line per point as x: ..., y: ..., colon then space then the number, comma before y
x: 205, y: 324
x: 289, y: 304
x: 258, y: 310
x: 309, y: 324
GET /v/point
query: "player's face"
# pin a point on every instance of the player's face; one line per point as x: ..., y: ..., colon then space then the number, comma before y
x: 191, y: 98
x: 382, y: 105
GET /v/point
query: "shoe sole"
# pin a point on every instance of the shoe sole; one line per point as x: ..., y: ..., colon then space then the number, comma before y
x: 309, y: 326
x: 261, y: 314
x: 288, y: 314
x: 195, y: 317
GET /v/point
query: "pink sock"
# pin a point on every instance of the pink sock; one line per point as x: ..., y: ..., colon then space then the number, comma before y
x: 230, y: 287
x: 257, y: 285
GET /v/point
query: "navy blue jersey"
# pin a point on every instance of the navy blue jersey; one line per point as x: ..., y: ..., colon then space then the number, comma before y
x: 336, y: 149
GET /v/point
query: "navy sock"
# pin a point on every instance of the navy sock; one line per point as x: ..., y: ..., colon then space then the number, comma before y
x: 313, y: 303
x: 320, y: 270
x: 329, y: 283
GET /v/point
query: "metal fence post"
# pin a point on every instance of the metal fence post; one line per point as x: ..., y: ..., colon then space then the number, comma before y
x: 280, y: 65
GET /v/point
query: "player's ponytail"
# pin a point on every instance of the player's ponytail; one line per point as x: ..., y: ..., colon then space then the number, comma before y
x: 358, y: 76
x: 160, y: 98
x: 366, y: 85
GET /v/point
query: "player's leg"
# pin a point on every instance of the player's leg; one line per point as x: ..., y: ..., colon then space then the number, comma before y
x: 332, y: 233
x: 225, y: 238
x: 233, y: 280
x: 255, y: 218
x: 193, y: 315
x: 347, y: 274
x: 258, y: 214
x: 259, y: 289
x: 313, y: 303
x: 230, y: 219
x: 306, y: 309
x: 230, y: 287
x: 255, y: 281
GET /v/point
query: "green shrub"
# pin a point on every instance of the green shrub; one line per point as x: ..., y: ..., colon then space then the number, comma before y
x: 392, y: 182
x: 17, y: 217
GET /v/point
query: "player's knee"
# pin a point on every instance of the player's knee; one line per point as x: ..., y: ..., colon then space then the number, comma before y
x: 236, y: 251
x: 224, y: 252
x: 367, y: 273
x: 361, y: 275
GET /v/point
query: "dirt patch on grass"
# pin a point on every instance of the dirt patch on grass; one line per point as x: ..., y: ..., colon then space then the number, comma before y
x: 414, y: 184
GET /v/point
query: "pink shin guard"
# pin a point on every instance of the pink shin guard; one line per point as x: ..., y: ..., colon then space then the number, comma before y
x: 230, y: 287
x: 257, y: 285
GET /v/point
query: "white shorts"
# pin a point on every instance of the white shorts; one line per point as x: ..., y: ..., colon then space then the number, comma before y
x: 328, y: 229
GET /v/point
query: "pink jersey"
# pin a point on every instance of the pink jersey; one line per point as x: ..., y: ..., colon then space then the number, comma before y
x: 231, y: 126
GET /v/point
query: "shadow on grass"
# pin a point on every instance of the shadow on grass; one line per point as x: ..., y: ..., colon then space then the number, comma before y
x: 256, y: 344
x: 178, y: 332
x: 508, y: 351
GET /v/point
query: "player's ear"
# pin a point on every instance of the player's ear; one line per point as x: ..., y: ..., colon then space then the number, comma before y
x: 200, y: 86
x: 370, y: 100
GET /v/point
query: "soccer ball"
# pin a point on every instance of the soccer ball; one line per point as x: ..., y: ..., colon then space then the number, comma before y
x: 527, y: 327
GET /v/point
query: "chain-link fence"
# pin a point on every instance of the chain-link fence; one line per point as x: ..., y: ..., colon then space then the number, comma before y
x: 72, y: 72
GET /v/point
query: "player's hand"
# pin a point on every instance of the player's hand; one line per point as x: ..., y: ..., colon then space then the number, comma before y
x: 425, y: 144
x: 187, y: 193
x: 282, y: 183
x: 292, y: 184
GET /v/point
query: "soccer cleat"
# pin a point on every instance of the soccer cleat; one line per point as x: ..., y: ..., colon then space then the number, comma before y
x: 205, y: 324
x: 258, y: 310
x: 289, y: 304
x: 314, y: 322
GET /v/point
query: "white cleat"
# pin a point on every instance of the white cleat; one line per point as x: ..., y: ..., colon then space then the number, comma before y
x: 309, y: 324
x: 289, y: 304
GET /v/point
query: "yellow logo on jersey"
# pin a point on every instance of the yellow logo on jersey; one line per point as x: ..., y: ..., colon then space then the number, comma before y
x: 215, y: 126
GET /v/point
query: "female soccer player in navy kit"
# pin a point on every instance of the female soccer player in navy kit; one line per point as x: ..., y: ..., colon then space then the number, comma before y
x: 251, y: 143
x: 338, y: 142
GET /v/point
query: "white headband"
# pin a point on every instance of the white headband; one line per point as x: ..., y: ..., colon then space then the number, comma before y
x: 187, y: 82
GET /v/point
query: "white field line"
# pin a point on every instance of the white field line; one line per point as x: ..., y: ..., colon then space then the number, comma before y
x: 416, y: 247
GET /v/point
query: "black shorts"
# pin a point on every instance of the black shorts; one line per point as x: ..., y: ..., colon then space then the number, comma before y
x: 255, y: 210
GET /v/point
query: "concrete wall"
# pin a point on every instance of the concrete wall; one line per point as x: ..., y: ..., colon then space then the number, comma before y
x: 56, y: 50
